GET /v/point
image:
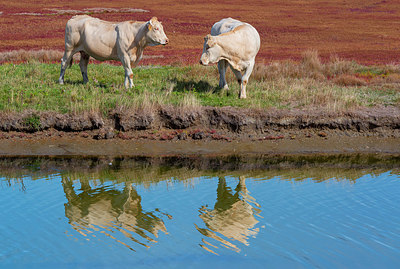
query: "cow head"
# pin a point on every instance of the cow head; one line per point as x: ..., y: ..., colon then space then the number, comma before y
x: 211, y: 50
x: 155, y: 35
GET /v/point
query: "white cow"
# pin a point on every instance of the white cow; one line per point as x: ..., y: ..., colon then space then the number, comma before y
x: 124, y: 41
x: 232, y: 43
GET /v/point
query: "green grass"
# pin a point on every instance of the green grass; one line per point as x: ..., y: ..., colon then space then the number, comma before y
x: 34, y: 86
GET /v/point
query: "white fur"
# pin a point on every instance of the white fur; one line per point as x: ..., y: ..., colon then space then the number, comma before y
x: 104, y: 40
x: 235, y: 44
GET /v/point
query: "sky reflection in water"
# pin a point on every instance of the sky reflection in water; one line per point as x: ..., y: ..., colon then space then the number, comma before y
x: 160, y: 216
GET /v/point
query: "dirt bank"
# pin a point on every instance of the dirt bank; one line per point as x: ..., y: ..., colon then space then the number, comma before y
x: 205, y: 130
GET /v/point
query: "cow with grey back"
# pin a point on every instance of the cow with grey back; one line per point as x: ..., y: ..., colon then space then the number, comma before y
x: 235, y: 44
x: 102, y: 40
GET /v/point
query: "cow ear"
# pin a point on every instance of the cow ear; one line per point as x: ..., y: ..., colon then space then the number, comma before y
x: 150, y: 26
x: 210, y: 40
x: 153, y: 20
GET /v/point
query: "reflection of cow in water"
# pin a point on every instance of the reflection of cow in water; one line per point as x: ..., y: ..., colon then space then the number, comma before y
x: 106, y: 210
x: 232, y: 216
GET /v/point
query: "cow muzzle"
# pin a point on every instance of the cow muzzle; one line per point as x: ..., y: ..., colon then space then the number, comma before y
x: 165, y: 42
x: 203, y: 60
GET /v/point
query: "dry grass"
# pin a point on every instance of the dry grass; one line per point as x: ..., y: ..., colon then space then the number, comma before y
x: 48, y: 56
x: 94, y: 10
x: 348, y: 80
x: 335, y: 84
x: 310, y: 66
x: 44, y: 56
x: 311, y: 62
x: 189, y: 103
x: 390, y: 78
x: 146, y: 103
x: 337, y: 66
x: 338, y: 71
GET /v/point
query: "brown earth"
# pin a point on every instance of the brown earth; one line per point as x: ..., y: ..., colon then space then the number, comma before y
x: 363, y: 30
x: 209, y: 130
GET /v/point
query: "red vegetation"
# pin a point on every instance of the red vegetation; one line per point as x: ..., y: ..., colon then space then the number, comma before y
x: 363, y: 30
x: 271, y: 137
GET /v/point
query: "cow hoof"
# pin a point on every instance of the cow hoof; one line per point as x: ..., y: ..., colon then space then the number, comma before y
x: 130, y: 86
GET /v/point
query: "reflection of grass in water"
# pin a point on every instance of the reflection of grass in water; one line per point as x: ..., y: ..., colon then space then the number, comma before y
x: 147, y: 171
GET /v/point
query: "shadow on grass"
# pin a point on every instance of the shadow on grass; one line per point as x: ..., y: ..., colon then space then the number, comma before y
x: 80, y: 82
x: 194, y: 86
x: 72, y: 82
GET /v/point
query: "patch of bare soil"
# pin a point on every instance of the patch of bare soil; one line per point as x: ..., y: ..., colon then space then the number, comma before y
x: 208, y: 130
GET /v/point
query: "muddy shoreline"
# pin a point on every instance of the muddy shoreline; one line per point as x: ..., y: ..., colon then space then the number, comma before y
x: 120, y: 148
x: 172, y: 131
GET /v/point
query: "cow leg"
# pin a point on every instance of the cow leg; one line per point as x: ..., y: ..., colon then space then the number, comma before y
x: 83, y: 65
x: 241, y: 187
x: 245, y: 79
x: 66, y: 61
x: 239, y: 77
x: 222, y: 65
x: 126, y: 62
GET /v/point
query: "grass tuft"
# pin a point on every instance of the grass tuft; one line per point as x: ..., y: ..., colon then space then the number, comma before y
x: 311, y: 62
x: 33, y: 122
x: 348, y: 80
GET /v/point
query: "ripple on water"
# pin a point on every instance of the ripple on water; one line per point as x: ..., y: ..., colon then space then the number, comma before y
x: 94, y: 220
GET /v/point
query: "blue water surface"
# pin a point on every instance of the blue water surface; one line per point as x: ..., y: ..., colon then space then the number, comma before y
x: 59, y: 221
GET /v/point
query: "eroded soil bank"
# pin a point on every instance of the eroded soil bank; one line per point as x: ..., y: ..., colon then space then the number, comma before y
x: 208, y: 130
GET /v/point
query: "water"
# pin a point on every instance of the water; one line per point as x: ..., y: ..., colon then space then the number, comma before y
x: 191, y: 213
